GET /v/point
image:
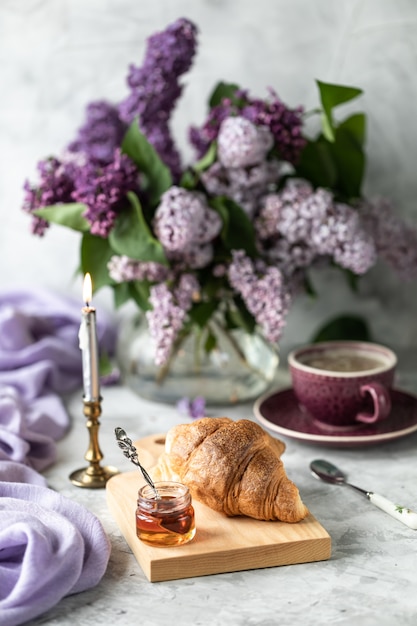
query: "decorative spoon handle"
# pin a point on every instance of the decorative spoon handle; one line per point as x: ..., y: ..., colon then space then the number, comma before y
x: 401, y: 513
x: 129, y: 450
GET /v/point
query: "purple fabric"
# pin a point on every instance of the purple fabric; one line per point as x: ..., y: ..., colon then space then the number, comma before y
x: 39, y: 359
x: 50, y: 547
x: 13, y: 472
x: 39, y: 331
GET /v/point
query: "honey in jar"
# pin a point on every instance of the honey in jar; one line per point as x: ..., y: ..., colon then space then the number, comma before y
x: 166, y: 518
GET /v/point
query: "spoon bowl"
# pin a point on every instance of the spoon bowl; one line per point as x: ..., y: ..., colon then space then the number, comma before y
x: 329, y: 473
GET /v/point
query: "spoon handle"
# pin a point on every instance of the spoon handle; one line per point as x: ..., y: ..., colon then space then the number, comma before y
x: 401, y: 513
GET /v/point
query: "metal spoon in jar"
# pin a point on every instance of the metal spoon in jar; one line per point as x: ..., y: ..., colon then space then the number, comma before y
x: 129, y: 450
x: 331, y: 474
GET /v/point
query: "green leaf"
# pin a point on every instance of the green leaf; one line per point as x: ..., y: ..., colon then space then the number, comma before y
x: 201, y: 312
x: 121, y: 294
x: 96, y: 252
x: 317, y: 164
x: 138, y: 148
x: 208, y: 159
x: 69, y: 215
x: 210, y: 343
x: 189, y: 180
x: 221, y: 91
x: 238, y: 316
x: 340, y: 165
x: 139, y: 292
x: 238, y: 232
x: 131, y: 236
x: 344, y: 327
x: 349, y: 156
x: 332, y: 96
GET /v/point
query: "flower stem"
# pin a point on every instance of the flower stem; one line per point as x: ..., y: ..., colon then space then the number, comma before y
x: 235, y: 345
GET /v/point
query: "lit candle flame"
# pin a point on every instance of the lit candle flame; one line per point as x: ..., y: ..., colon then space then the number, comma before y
x: 87, y: 289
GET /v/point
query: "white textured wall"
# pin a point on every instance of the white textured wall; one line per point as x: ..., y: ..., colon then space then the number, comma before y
x: 56, y: 55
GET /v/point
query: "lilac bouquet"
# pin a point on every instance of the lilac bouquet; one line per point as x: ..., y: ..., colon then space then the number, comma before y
x: 231, y: 238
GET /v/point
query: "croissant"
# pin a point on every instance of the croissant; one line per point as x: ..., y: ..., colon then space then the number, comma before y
x: 231, y: 466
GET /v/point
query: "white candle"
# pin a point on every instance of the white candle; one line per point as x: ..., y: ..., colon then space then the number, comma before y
x: 89, y: 345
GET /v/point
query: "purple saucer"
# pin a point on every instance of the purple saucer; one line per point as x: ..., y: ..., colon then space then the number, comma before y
x: 281, y: 413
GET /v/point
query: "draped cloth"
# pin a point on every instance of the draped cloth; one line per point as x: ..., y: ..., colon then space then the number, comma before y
x: 40, y: 360
x: 50, y: 546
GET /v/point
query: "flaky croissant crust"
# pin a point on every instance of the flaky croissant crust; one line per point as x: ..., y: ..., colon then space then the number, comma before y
x: 233, y: 467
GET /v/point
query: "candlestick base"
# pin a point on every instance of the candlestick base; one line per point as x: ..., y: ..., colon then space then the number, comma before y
x: 93, y: 477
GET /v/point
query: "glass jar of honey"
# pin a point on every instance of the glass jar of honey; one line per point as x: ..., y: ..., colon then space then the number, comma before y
x: 166, y: 519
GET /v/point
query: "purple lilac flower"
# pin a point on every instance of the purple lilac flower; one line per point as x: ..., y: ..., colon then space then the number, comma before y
x: 168, y: 314
x: 245, y: 185
x: 101, y: 133
x: 201, y: 138
x: 155, y: 87
x: 183, y: 220
x: 263, y: 291
x: 284, y: 124
x: 192, y: 408
x: 395, y: 240
x: 241, y: 144
x: 299, y: 225
x: 103, y: 190
x: 124, y: 269
x: 55, y: 187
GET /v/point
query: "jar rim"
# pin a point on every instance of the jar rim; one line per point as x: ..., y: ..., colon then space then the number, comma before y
x: 166, y: 486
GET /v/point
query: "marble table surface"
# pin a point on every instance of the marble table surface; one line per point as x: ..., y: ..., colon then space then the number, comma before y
x: 371, y: 577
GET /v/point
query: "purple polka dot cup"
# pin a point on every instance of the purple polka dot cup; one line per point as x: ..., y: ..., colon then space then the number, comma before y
x: 341, y: 383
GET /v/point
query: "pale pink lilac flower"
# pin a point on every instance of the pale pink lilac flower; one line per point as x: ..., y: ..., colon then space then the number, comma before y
x: 183, y: 219
x: 300, y: 224
x: 168, y: 314
x: 263, y: 291
x: 246, y: 186
x: 395, y: 240
x: 124, y: 269
x: 192, y: 257
x: 242, y: 144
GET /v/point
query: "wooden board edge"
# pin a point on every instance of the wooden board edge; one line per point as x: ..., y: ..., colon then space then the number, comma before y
x: 204, y: 565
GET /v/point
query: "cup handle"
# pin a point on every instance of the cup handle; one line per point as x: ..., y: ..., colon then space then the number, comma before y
x: 381, y: 400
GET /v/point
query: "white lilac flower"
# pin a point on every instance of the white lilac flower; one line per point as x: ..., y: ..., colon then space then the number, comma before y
x: 263, y: 290
x: 183, y: 218
x: 242, y: 144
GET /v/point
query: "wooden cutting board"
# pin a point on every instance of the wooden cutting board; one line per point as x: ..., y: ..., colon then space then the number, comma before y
x: 221, y: 544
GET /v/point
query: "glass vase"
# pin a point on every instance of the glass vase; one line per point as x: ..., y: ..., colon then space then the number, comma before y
x: 239, y: 368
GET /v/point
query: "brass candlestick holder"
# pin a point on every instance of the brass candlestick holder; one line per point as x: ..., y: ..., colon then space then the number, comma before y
x: 94, y: 476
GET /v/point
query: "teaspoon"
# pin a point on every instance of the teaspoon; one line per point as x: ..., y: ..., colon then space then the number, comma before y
x: 331, y: 474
